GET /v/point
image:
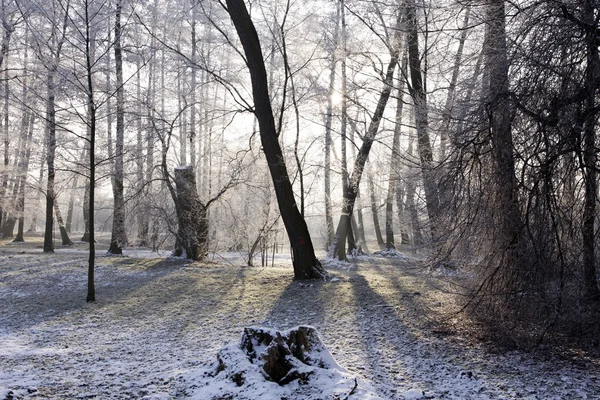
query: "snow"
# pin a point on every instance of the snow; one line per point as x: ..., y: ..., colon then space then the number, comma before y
x: 235, y: 376
x: 159, y: 323
x: 391, y: 253
x: 413, y: 394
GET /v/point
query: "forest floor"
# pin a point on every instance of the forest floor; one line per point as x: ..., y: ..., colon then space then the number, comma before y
x: 158, y: 319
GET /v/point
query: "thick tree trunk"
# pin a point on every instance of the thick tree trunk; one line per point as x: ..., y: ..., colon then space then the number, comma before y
x: 590, y: 160
x: 192, y: 232
x: 417, y: 92
x: 507, y: 214
x: 306, y: 265
x: 118, y: 236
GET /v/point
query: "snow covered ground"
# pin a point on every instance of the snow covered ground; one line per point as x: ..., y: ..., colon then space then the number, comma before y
x: 159, y: 321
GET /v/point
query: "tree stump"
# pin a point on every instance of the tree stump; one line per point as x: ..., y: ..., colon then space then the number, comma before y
x: 283, y: 354
x: 192, y: 233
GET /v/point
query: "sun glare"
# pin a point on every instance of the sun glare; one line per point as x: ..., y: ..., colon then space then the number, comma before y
x: 336, y: 99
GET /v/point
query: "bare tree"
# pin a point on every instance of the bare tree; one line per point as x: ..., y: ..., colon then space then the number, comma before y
x: 306, y: 265
x: 338, y: 249
x: 118, y: 237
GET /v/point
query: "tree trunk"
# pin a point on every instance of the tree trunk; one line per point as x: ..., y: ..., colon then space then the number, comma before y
x: 142, y: 225
x: 507, y: 214
x: 118, y: 236
x: 328, y: 140
x: 590, y: 160
x: 401, y: 209
x: 421, y: 121
x: 90, y: 51
x: 411, y: 187
x: 306, y: 265
x: 33, y: 225
x: 8, y: 30
x: 192, y: 232
x: 71, y: 206
x: 375, y: 210
x: 192, y: 133
x: 51, y: 149
x: 360, y: 225
x: 447, y: 112
x: 86, y: 205
x: 24, y: 173
x: 66, y: 241
x: 394, y: 165
x: 183, y: 124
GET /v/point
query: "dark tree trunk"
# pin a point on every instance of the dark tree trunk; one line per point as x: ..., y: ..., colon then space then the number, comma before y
x: 590, y: 160
x: 86, y: 212
x: 51, y: 148
x: 418, y: 95
x: 507, y: 213
x: 90, y: 50
x: 306, y: 265
x: 192, y: 232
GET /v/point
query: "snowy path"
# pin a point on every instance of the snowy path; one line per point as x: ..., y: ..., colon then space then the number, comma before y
x: 156, y: 319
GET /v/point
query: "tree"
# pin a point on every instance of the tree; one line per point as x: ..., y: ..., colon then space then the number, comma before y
x: 306, y: 265
x: 118, y: 236
x: 328, y: 128
x: 394, y: 166
x: 417, y: 92
x: 57, y: 40
x: 337, y: 249
x: 507, y: 216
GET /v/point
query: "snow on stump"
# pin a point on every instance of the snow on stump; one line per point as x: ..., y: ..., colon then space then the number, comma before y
x: 292, y: 364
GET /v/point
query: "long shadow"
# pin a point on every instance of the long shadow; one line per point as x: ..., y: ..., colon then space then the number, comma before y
x: 300, y: 303
x: 185, y: 302
x: 381, y: 333
x: 46, y: 287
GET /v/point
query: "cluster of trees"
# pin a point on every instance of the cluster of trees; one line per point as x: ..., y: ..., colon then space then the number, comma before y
x: 473, y: 125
